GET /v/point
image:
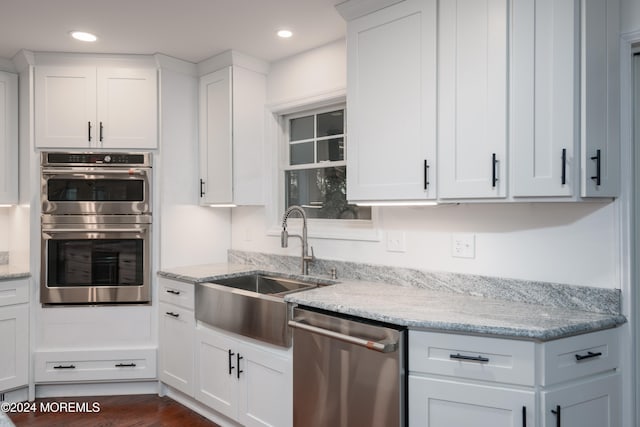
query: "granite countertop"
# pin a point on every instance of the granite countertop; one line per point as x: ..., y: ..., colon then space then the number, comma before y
x: 424, y: 309
x: 9, y: 271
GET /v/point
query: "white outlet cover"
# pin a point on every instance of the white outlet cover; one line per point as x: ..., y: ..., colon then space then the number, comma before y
x: 396, y: 241
x: 463, y: 245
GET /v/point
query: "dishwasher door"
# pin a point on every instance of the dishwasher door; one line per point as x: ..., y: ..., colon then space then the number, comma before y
x: 347, y: 373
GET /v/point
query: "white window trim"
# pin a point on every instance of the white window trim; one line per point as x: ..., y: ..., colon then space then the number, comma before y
x: 363, y: 230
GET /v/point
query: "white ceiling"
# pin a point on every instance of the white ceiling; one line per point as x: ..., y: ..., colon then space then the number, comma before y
x: 192, y: 30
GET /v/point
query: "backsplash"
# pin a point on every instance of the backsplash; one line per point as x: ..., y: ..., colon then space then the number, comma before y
x: 550, y: 294
x: 4, y: 258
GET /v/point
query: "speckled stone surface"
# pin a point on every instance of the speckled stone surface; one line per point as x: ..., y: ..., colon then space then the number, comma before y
x: 4, y: 258
x: 9, y: 271
x: 420, y: 308
x: 531, y: 292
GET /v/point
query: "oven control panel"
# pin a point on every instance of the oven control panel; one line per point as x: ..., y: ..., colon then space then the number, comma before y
x: 92, y: 159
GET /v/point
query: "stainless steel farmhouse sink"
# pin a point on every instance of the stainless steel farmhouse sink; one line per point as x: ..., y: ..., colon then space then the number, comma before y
x: 251, y: 305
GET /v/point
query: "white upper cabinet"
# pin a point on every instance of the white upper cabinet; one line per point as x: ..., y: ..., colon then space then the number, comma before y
x: 8, y: 138
x: 96, y: 107
x: 544, y: 97
x: 600, y: 108
x: 565, y: 98
x: 391, y: 103
x: 472, y: 98
x: 232, y: 102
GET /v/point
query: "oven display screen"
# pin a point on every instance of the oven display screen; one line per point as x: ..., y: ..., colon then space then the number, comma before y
x: 102, y: 262
x: 95, y: 190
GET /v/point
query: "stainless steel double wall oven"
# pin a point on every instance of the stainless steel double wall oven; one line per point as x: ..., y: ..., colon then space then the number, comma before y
x: 96, y: 228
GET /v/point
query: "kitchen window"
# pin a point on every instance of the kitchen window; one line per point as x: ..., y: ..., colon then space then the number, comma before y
x: 315, y: 169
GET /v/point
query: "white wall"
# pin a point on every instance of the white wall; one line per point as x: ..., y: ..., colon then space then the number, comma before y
x: 630, y: 11
x: 308, y: 74
x: 190, y: 234
x: 573, y: 243
x: 4, y: 229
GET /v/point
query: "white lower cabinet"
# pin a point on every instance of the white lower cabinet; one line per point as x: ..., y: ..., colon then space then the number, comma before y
x: 247, y: 382
x: 14, y: 334
x: 458, y: 380
x: 591, y: 403
x: 94, y: 365
x: 176, y: 356
x: 445, y: 403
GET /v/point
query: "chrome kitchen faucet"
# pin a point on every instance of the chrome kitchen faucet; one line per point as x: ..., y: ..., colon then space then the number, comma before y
x: 284, y: 237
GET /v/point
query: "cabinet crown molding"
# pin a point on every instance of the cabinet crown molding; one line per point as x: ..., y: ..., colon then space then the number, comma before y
x: 229, y: 58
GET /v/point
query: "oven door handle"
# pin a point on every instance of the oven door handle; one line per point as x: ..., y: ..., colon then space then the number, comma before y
x: 94, y: 230
x: 380, y: 346
x: 83, y: 174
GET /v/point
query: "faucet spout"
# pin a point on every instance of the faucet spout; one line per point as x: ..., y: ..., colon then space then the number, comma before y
x: 284, y: 237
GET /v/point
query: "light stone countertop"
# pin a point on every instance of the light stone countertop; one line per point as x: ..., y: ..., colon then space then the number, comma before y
x: 9, y: 271
x: 419, y: 308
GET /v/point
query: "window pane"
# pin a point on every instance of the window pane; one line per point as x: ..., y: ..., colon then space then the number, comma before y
x: 331, y: 123
x: 322, y: 193
x: 301, y: 128
x: 300, y: 154
x: 331, y: 149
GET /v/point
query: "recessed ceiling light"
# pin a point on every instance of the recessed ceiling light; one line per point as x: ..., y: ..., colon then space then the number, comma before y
x: 285, y: 34
x: 83, y: 36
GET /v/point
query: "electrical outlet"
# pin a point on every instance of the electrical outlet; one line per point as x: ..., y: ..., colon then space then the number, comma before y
x: 463, y: 246
x: 396, y: 241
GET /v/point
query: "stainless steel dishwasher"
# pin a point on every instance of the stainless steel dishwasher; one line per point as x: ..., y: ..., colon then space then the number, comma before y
x: 347, y: 372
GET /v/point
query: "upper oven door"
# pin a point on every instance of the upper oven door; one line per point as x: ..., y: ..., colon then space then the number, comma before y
x: 94, y: 190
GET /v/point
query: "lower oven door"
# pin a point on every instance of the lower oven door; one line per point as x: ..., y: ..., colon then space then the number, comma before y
x: 95, y: 263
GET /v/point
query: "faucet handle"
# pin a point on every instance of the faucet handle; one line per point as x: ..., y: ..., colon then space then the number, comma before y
x: 312, y: 257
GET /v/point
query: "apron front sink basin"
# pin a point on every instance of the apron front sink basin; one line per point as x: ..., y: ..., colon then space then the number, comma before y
x: 251, y: 305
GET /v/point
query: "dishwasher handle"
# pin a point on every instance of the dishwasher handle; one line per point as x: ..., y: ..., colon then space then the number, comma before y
x: 380, y: 346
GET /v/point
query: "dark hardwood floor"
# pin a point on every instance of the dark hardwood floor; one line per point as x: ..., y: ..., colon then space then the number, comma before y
x: 114, y: 411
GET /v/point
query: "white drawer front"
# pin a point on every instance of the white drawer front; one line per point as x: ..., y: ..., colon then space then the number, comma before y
x: 96, y: 365
x: 579, y: 356
x: 14, y: 292
x: 177, y: 293
x: 478, y: 358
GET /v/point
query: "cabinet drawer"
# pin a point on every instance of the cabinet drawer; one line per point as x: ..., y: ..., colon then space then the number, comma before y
x: 579, y: 356
x: 97, y: 365
x: 177, y: 293
x: 14, y: 292
x: 478, y: 358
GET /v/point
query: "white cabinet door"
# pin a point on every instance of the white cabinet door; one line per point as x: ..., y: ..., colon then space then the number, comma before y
x: 216, y: 138
x: 89, y: 107
x: 8, y: 138
x: 472, y: 98
x: 443, y: 403
x: 266, y: 397
x: 544, y: 97
x: 391, y: 103
x: 14, y: 351
x: 600, y: 115
x: 65, y: 107
x: 248, y: 383
x: 216, y: 372
x: 232, y: 102
x: 593, y: 403
x: 127, y: 108
x: 176, y: 355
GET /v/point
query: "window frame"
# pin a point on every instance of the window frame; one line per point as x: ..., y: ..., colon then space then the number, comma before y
x: 320, y: 228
